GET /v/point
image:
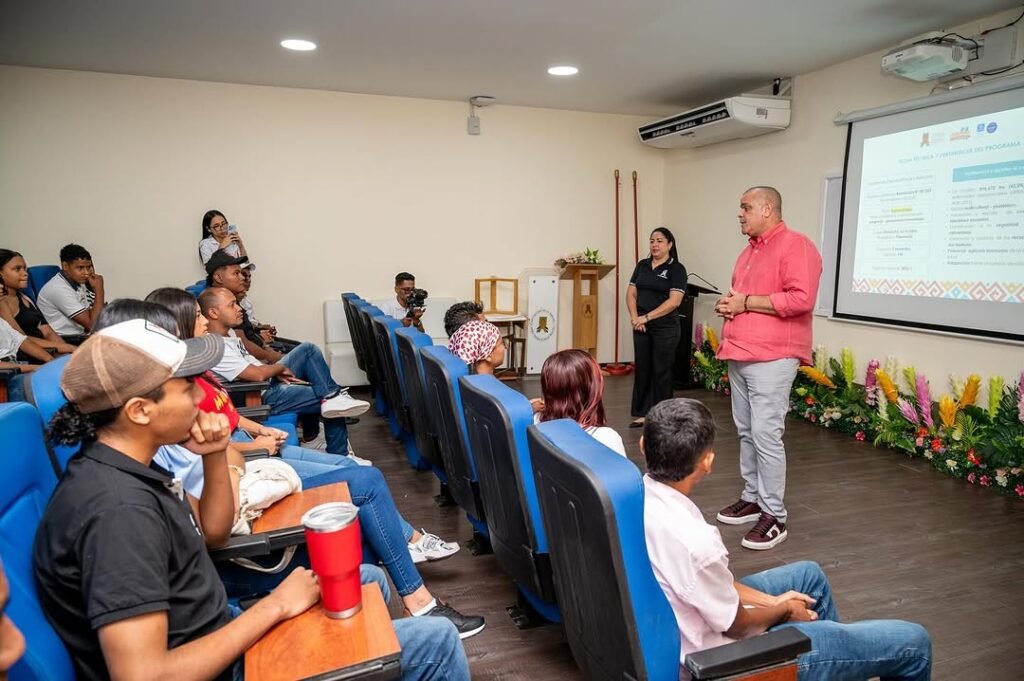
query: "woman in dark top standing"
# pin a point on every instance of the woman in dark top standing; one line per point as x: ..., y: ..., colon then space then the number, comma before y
x: 655, y: 291
x: 18, y: 310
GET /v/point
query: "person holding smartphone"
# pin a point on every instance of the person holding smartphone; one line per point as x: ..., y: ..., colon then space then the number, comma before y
x: 219, y: 235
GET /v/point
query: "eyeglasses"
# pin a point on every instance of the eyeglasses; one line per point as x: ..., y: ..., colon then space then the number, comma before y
x: 219, y: 225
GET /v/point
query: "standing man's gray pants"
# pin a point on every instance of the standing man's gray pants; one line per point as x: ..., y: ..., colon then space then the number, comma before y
x: 760, y: 401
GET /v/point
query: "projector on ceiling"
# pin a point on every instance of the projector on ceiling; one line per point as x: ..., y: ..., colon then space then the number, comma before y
x: 925, y: 61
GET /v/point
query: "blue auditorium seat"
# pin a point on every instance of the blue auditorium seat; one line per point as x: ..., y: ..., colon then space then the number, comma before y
x: 42, y: 389
x: 618, y: 621
x: 496, y: 420
x: 364, y: 327
x: 38, y: 275
x: 348, y: 301
x: 196, y: 288
x: 409, y: 341
x: 441, y: 373
x: 384, y: 328
x: 26, y: 483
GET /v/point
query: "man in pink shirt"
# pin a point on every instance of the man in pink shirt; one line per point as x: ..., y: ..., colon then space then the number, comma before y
x: 765, y: 337
x: 713, y: 608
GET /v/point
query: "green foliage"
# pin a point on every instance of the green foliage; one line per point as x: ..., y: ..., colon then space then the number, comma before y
x: 983, y: 446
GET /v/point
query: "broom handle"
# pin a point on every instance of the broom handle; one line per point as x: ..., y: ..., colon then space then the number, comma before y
x: 636, y: 223
x: 618, y: 293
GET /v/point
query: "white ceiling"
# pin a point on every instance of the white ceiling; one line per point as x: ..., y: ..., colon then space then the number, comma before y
x: 638, y: 56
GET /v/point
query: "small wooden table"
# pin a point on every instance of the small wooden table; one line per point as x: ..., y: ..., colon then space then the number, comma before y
x: 315, y: 646
x: 289, y: 511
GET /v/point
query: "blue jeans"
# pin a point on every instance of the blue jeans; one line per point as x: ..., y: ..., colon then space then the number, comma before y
x: 431, y: 649
x: 16, y: 388
x: 385, y: 533
x: 889, y: 649
x: 308, y: 363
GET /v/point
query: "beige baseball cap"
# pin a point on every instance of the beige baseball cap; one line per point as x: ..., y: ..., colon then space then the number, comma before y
x: 131, y: 359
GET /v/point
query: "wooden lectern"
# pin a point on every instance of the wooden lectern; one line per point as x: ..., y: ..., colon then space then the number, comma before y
x: 584, y: 305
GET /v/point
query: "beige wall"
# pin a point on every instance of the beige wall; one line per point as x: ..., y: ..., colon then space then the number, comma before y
x: 702, y: 189
x: 331, y: 191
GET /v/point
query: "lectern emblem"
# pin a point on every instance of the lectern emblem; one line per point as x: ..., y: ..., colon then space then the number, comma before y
x: 542, y: 324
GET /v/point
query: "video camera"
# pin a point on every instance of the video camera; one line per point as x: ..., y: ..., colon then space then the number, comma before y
x: 417, y: 299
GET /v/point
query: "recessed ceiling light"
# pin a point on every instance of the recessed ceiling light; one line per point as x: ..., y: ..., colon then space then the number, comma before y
x: 563, y: 70
x: 299, y: 45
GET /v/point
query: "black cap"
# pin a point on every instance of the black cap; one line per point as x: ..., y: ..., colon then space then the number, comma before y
x: 221, y: 259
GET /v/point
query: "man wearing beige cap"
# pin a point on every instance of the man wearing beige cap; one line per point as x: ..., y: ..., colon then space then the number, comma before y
x: 121, y: 565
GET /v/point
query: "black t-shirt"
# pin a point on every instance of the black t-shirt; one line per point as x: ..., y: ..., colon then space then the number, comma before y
x: 116, y: 541
x: 654, y: 285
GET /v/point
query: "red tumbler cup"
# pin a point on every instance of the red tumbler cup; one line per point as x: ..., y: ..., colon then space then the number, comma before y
x: 335, y: 553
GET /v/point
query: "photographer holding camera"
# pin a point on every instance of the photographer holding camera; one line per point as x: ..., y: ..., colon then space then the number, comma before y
x: 409, y: 303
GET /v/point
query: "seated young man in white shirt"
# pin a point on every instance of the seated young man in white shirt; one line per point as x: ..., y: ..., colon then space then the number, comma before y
x: 692, y: 566
x: 301, y: 381
x: 398, y: 307
x: 73, y: 299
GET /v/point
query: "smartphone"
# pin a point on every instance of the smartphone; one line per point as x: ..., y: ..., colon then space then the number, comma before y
x: 232, y: 229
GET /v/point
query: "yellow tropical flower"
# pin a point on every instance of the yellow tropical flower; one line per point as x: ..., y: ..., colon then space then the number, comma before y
x: 970, y: 394
x: 818, y: 377
x: 712, y: 338
x: 887, y: 386
x: 947, y: 411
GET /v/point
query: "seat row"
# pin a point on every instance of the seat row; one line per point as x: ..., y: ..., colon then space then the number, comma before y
x: 562, y: 513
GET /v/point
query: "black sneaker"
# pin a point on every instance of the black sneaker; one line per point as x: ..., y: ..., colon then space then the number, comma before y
x: 468, y: 625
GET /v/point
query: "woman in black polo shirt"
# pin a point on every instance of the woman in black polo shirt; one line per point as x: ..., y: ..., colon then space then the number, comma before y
x: 655, y: 291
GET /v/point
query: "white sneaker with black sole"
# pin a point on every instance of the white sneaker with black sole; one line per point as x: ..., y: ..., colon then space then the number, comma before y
x: 342, y: 405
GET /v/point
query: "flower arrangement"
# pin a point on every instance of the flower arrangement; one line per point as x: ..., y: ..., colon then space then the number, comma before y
x: 587, y: 257
x: 983, y: 445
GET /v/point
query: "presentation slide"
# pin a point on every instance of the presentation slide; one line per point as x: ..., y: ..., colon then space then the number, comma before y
x: 941, y: 211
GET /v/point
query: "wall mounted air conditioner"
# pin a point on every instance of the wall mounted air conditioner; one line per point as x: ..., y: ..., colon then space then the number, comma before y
x: 729, y: 119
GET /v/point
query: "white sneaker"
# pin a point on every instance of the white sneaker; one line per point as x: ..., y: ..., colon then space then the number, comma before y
x: 431, y: 547
x: 341, y: 405
x: 360, y: 460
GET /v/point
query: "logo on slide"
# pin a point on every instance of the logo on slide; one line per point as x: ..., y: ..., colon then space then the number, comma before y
x: 981, y: 128
x: 963, y: 134
x: 991, y: 127
x: 924, y: 140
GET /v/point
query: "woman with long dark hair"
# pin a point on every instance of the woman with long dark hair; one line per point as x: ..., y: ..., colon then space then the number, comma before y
x: 18, y: 310
x: 655, y: 291
x: 218, y: 235
x: 572, y: 385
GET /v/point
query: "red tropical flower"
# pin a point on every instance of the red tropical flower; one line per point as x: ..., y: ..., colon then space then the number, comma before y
x: 809, y: 401
x: 860, y: 436
x: 936, y: 444
x: 973, y: 458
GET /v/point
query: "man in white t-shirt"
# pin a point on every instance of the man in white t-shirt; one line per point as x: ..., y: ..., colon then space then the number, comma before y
x: 73, y: 299
x: 300, y: 382
x: 691, y: 564
x: 398, y: 307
